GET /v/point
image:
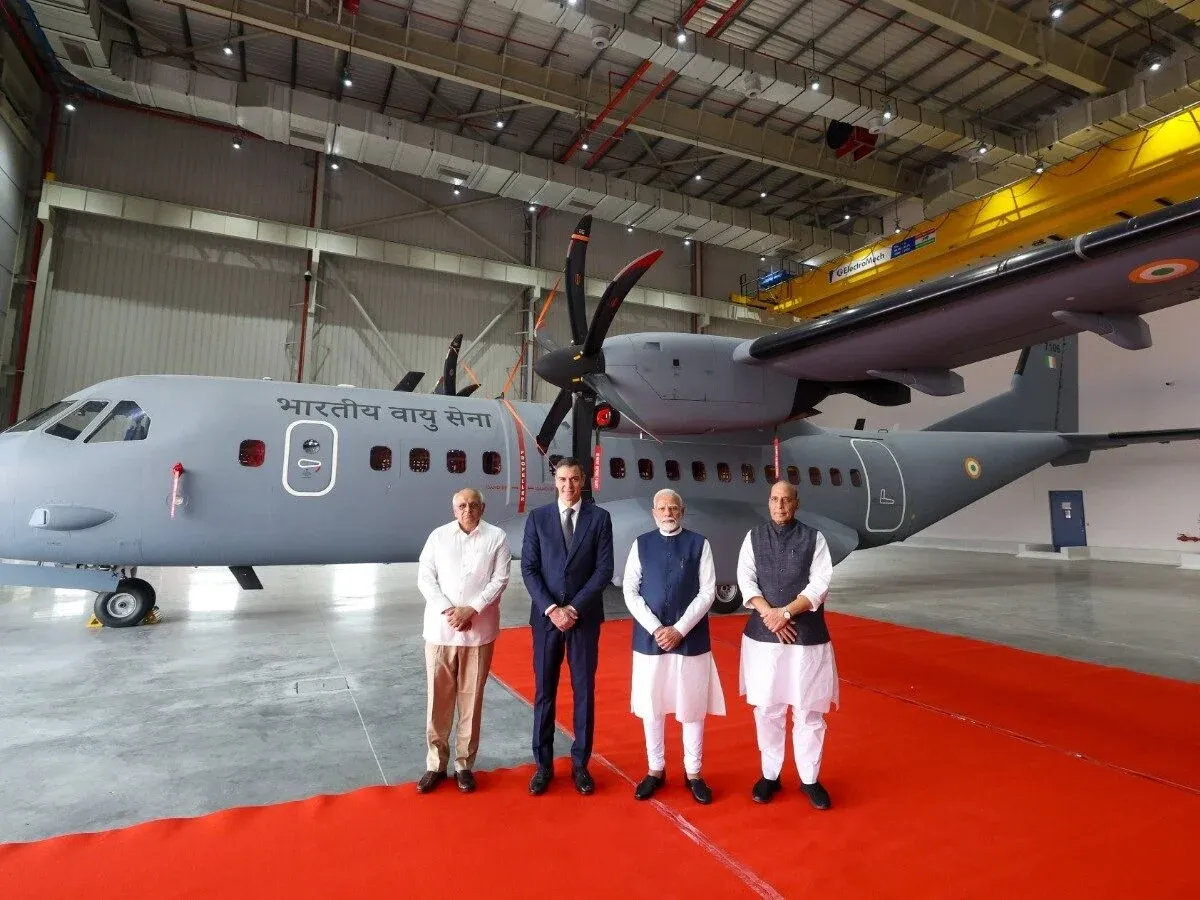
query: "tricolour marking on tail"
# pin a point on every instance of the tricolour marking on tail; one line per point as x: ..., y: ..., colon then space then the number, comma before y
x: 1044, y: 395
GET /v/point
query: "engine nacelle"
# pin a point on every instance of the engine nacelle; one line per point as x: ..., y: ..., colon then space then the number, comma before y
x: 682, y: 383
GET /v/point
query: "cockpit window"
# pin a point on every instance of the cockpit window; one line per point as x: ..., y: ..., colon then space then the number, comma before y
x: 40, y: 417
x: 77, y: 420
x: 126, y: 422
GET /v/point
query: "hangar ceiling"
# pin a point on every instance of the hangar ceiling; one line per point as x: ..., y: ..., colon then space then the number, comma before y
x: 701, y: 119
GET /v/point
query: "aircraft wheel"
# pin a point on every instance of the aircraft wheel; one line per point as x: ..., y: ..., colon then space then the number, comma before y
x: 729, y: 598
x: 128, y: 605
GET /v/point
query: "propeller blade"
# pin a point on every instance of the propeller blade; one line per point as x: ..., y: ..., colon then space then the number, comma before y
x: 554, y: 418
x: 603, y: 387
x: 449, y: 378
x: 576, y: 256
x: 410, y: 381
x: 581, y: 437
x: 614, y: 295
x: 468, y: 390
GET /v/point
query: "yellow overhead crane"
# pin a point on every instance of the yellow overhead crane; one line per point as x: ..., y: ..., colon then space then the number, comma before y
x: 1138, y: 172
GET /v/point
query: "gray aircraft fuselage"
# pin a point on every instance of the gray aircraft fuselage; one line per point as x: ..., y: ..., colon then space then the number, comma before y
x: 315, y: 498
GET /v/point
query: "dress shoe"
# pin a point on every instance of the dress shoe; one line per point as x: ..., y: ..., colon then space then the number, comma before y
x: 765, y: 789
x: 540, y: 781
x: 817, y: 795
x: 429, y: 781
x: 583, y: 780
x: 700, y: 791
x: 465, y: 779
x: 647, y: 786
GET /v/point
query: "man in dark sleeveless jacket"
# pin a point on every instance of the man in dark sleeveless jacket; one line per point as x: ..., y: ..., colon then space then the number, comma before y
x: 784, y: 571
x: 670, y: 583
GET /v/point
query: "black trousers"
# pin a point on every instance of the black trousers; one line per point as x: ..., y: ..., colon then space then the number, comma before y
x: 581, y: 647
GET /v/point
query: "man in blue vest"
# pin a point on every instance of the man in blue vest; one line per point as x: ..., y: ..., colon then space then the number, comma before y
x: 784, y: 570
x: 566, y: 560
x: 669, y: 586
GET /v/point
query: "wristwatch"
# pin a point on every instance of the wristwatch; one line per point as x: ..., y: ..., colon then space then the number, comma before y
x: 787, y: 613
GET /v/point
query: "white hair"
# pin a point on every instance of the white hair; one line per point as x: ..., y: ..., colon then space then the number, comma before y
x: 670, y: 492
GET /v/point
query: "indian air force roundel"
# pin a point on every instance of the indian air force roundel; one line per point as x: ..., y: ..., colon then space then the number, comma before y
x: 972, y: 467
x: 1163, y: 270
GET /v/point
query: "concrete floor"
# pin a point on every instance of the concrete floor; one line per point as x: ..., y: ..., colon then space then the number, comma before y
x: 316, y: 684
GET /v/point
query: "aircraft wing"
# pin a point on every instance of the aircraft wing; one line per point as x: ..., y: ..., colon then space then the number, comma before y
x: 1101, y: 281
x: 1125, y: 438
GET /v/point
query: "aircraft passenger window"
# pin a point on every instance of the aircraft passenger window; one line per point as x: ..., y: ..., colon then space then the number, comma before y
x: 814, y: 475
x: 835, y: 477
x: 616, y: 467
x: 747, y: 473
x: 76, y: 422
x: 646, y: 469
x: 456, y: 461
x: 699, y: 472
x: 672, y: 470
x: 769, y: 472
x: 252, y: 453
x: 491, y: 462
x: 39, y: 416
x: 126, y: 422
x: 794, y: 475
x: 418, y: 459
x: 856, y: 478
x: 381, y: 458
x: 723, y: 473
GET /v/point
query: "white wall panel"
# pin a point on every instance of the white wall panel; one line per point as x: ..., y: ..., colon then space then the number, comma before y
x: 147, y: 155
x: 131, y: 299
x: 418, y: 314
x: 1134, y: 497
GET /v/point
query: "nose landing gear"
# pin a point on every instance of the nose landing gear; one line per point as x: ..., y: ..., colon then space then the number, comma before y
x: 728, y: 599
x: 131, y: 603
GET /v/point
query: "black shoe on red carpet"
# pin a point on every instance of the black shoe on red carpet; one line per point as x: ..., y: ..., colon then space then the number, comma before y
x: 583, y: 780
x: 817, y: 795
x: 764, y: 789
x: 465, y: 779
x: 647, y: 786
x: 540, y: 781
x: 429, y: 781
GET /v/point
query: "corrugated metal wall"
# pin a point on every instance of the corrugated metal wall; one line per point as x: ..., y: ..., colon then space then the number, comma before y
x: 16, y: 164
x: 133, y: 299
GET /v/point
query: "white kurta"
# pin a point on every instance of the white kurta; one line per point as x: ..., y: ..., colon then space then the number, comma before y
x: 663, y: 683
x: 802, y: 676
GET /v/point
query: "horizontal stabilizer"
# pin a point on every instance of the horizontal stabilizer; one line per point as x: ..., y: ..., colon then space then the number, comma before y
x: 1125, y: 438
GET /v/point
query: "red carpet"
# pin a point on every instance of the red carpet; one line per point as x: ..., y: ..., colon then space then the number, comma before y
x: 386, y: 842
x: 952, y: 769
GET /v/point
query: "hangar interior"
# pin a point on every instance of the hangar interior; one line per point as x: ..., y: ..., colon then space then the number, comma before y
x: 328, y: 191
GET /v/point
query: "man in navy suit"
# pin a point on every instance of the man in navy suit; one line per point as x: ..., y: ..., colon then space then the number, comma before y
x: 566, y: 560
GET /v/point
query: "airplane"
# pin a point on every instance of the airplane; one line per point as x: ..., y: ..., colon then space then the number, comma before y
x: 176, y: 470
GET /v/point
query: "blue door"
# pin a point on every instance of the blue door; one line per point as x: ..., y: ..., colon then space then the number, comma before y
x: 1067, y: 528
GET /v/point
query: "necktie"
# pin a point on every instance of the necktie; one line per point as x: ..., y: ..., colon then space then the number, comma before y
x: 568, y: 527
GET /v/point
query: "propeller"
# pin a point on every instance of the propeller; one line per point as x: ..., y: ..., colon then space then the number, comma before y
x: 409, y: 382
x: 447, y: 382
x: 578, y: 370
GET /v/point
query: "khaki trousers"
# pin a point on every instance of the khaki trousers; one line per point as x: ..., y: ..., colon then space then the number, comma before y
x: 456, y: 676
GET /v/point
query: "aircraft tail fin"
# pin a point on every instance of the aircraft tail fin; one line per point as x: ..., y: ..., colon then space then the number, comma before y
x: 1044, y: 395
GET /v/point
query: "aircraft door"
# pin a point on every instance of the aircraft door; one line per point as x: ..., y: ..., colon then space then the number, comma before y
x: 310, y: 458
x: 885, y: 485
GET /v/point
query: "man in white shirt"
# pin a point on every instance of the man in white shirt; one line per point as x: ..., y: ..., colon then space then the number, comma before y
x: 784, y: 570
x: 670, y: 584
x: 463, y: 572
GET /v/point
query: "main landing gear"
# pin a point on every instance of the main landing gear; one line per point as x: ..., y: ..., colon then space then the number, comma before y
x: 122, y: 599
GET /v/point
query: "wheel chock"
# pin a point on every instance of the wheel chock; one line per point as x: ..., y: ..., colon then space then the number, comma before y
x: 150, y: 619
